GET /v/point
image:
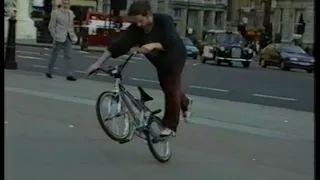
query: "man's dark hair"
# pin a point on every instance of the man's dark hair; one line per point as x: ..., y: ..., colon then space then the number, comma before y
x: 139, y: 7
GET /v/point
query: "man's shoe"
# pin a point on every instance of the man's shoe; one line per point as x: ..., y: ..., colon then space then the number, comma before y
x: 167, y: 132
x: 186, y: 114
x: 71, y: 78
x: 48, y: 75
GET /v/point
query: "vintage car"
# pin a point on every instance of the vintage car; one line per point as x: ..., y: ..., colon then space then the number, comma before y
x: 208, y: 39
x: 229, y: 47
x: 286, y: 57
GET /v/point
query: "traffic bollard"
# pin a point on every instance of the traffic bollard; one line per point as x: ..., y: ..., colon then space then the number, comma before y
x: 10, y: 61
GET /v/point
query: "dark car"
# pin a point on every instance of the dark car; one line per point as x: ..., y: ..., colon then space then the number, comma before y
x: 228, y: 47
x: 192, y: 50
x: 286, y: 57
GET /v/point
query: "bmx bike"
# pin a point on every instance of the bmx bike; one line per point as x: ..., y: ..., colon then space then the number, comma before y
x: 132, y: 113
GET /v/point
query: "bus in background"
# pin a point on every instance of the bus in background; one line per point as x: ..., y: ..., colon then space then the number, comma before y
x: 99, y: 29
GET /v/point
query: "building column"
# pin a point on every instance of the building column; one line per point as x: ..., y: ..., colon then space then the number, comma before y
x: 308, y: 36
x: 200, y: 24
x: 25, y: 25
x: 212, y: 18
x: 287, y: 24
x: 100, y: 5
x: 224, y: 19
x: 183, y: 22
x: 276, y: 20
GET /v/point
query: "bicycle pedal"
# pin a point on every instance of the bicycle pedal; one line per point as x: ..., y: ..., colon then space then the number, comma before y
x: 124, y: 141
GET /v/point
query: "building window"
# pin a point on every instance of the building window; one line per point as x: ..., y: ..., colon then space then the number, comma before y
x: 207, y: 15
x: 176, y: 12
x: 299, y: 23
x: 218, y: 19
x: 105, y: 8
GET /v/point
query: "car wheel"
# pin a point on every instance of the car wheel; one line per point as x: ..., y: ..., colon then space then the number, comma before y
x: 246, y: 64
x: 230, y: 64
x: 218, y: 62
x: 309, y: 70
x: 203, y: 60
x: 195, y: 57
x: 262, y: 63
x: 283, y: 66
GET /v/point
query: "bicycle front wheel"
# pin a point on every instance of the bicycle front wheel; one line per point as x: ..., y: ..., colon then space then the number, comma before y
x: 159, y: 147
x: 113, y: 116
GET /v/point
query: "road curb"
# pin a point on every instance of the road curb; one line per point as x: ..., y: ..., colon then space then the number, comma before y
x: 50, y: 46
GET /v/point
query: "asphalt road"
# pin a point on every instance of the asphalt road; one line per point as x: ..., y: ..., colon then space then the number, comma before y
x: 271, y: 86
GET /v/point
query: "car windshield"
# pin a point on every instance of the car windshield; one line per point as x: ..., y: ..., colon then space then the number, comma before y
x: 293, y: 49
x: 229, y: 38
x: 187, y: 42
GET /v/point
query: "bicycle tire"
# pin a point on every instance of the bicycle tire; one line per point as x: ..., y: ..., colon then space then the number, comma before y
x: 150, y: 136
x: 101, y: 121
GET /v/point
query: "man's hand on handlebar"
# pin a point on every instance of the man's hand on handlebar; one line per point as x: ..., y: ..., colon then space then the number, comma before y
x: 139, y: 50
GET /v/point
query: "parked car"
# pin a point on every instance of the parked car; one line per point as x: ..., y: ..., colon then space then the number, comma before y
x: 228, y: 47
x: 192, y: 50
x: 286, y: 57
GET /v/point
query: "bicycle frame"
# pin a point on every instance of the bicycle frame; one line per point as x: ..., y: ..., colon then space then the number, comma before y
x: 127, y: 97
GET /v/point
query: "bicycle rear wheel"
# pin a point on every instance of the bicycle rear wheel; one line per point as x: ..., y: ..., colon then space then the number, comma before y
x: 159, y: 147
x: 116, y: 115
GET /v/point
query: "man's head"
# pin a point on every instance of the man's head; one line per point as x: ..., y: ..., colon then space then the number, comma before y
x: 140, y: 12
x: 65, y: 4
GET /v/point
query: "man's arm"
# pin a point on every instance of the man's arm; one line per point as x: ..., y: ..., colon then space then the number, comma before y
x: 128, y: 40
x: 121, y: 46
x: 52, y: 23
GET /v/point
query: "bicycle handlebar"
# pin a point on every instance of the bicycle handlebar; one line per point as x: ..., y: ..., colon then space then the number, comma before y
x: 109, y: 70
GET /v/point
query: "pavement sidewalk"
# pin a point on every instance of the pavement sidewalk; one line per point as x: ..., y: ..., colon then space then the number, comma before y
x: 52, y: 133
x: 255, y: 119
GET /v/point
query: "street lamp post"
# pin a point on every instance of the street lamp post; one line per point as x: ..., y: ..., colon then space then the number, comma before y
x: 10, y: 61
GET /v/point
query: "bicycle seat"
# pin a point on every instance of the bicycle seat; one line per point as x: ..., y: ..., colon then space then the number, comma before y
x: 144, y: 97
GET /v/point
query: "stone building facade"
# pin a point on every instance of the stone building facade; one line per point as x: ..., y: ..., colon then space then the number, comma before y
x: 198, y: 15
x: 288, y: 14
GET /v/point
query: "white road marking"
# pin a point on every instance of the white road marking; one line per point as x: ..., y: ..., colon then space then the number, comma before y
x: 6, y: 122
x: 27, y: 52
x: 84, y: 72
x: 77, y: 71
x: 274, y: 97
x: 194, y: 64
x: 71, y: 126
x: 83, y: 52
x: 40, y: 66
x: 31, y: 57
x: 96, y: 57
x: 210, y: 89
x: 30, y: 52
x: 88, y: 56
x: 144, y: 80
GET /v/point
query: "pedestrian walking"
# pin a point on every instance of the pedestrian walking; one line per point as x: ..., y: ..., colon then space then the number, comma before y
x: 62, y: 32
